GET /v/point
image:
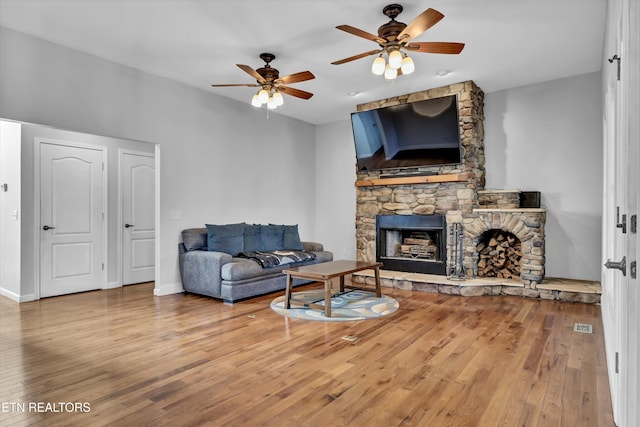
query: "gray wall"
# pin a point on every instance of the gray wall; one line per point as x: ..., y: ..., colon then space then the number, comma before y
x: 220, y: 160
x: 545, y: 137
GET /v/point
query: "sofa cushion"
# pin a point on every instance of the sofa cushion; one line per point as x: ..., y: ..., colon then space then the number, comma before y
x: 195, y: 239
x: 228, y: 238
x: 291, y: 238
x: 243, y: 268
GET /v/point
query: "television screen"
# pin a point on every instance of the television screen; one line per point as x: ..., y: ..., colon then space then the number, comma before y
x: 421, y: 133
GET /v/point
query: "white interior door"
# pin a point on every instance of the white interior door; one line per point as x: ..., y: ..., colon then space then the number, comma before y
x: 631, y: 351
x: 71, y: 219
x: 610, y: 282
x: 620, y: 198
x: 138, y: 218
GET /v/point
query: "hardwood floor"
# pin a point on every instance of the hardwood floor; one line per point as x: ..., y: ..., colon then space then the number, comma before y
x: 186, y: 360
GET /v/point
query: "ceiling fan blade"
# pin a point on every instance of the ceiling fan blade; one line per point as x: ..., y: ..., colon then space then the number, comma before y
x: 354, y: 57
x: 360, y: 33
x: 295, y: 92
x: 253, y: 73
x: 237, y: 84
x: 297, y: 77
x: 422, y: 23
x: 435, y: 47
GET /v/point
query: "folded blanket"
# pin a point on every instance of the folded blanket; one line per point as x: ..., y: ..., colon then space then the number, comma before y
x: 276, y: 258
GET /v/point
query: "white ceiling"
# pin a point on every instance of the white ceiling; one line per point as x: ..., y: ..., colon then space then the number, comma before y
x: 509, y: 43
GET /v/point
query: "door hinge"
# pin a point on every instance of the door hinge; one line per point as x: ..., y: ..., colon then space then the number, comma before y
x: 634, y: 224
x: 103, y: 266
x: 622, y: 224
x: 102, y: 165
x: 632, y: 269
x: 617, y: 363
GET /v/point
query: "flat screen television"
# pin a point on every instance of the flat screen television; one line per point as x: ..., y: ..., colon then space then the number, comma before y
x: 422, y: 133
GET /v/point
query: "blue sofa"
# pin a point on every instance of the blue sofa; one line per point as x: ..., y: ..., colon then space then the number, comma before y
x: 233, y: 262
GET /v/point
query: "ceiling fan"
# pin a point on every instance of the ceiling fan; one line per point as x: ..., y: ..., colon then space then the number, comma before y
x: 394, y: 39
x: 271, y: 84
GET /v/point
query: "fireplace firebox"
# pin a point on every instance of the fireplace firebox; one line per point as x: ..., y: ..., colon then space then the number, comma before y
x: 411, y: 243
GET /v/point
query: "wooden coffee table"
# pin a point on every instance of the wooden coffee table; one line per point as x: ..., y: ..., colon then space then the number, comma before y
x: 324, y: 272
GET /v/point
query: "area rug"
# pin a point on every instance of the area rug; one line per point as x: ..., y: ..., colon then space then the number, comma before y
x: 351, y: 305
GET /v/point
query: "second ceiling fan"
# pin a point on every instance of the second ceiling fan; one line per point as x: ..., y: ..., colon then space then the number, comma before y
x: 394, y: 39
x: 271, y: 84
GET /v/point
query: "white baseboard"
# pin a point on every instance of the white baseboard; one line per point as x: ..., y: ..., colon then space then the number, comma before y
x: 113, y: 285
x: 167, y: 289
x: 16, y: 297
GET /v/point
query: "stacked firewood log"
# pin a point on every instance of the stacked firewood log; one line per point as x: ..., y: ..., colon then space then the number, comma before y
x: 499, y: 255
x: 418, y: 245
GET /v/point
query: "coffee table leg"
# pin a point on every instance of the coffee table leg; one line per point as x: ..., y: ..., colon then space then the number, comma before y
x: 378, y: 291
x: 327, y: 297
x: 341, y: 283
x: 287, y: 292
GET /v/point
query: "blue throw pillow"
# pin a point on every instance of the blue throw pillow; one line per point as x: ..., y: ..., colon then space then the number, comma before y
x: 227, y: 238
x: 291, y: 238
x: 263, y: 238
x: 272, y: 237
x: 252, y: 238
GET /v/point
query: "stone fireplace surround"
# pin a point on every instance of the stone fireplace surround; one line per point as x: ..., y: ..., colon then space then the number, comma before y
x: 455, y: 191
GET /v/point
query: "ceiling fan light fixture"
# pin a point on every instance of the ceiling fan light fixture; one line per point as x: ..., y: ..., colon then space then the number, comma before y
x: 394, y: 38
x: 407, y: 66
x: 378, y: 66
x: 263, y: 96
x: 278, y: 99
x: 390, y: 73
x: 395, y: 59
x: 269, y: 81
x: 255, y: 101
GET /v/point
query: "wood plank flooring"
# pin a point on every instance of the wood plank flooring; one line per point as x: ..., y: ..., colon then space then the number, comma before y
x: 185, y: 360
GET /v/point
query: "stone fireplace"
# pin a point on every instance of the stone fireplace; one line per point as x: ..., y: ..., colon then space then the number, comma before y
x: 451, y: 197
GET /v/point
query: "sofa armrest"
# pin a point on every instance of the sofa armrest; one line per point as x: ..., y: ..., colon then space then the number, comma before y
x: 312, y: 246
x: 200, y: 271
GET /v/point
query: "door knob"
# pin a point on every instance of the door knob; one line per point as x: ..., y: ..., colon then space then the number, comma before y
x: 622, y: 265
x: 128, y: 225
x: 46, y: 227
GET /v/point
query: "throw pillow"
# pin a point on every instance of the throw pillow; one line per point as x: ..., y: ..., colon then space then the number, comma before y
x: 195, y: 239
x: 252, y: 238
x: 291, y: 238
x: 272, y: 237
x: 263, y: 238
x: 228, y: 238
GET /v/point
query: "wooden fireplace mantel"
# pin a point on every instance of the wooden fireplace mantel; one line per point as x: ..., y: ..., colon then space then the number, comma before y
x: 422, y: 179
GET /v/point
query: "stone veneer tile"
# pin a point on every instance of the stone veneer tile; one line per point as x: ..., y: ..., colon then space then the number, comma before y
x: 566, y: 285
x: 567, y: 290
